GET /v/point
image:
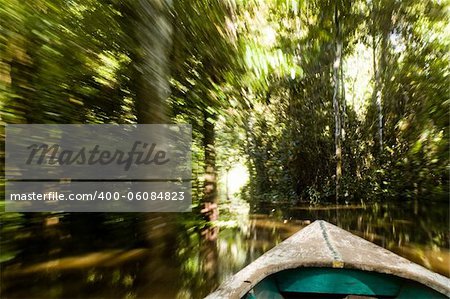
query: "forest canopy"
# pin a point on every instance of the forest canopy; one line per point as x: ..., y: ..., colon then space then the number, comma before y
x: 324, y: 101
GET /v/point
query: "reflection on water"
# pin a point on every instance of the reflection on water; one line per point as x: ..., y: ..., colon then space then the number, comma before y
x: 163, y: 256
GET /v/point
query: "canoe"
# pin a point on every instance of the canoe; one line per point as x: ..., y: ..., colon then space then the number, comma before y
x: 325, y: 261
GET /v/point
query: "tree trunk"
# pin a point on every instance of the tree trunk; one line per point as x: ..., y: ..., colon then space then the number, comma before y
x: 153, y: 31
x: 210, y: 184
x: 376, y: 95
x: 336, y: 105
x: 344, y: 104
x: 21, y: 79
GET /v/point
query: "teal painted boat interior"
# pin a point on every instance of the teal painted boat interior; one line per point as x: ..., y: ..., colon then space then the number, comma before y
x: 338, y: 283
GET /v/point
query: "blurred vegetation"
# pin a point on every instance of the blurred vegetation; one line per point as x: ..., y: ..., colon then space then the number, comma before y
x: 324, y: 100
x: 391, y: 125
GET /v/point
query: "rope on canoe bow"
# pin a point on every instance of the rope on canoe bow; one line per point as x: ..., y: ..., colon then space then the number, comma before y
x: 337, y: 259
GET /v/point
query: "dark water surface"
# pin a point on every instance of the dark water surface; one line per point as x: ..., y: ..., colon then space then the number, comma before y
x: 166, y: 256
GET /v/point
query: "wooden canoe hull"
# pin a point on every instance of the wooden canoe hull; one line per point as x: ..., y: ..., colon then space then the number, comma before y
x: 338, y: 283
x: 329, y: 251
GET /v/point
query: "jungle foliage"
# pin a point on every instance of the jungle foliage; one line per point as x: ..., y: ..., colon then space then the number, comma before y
x: 323, y: 100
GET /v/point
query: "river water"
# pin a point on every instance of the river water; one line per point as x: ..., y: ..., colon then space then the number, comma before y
x: 170, y: 256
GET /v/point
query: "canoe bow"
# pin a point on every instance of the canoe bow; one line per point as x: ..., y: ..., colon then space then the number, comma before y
x: 322, y: 244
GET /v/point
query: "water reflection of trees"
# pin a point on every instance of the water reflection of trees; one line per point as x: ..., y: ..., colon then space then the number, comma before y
x: 417, y: 232
x: 161, y: 256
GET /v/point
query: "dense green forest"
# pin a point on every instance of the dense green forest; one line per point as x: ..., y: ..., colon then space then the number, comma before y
x: 324, y: 101
x: 335, y: 110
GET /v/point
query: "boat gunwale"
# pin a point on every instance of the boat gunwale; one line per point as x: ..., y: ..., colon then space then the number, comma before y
x: 256, y: 271
x: 273, y: 270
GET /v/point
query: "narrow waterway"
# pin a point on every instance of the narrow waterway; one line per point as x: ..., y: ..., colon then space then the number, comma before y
x: 167, y: 256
